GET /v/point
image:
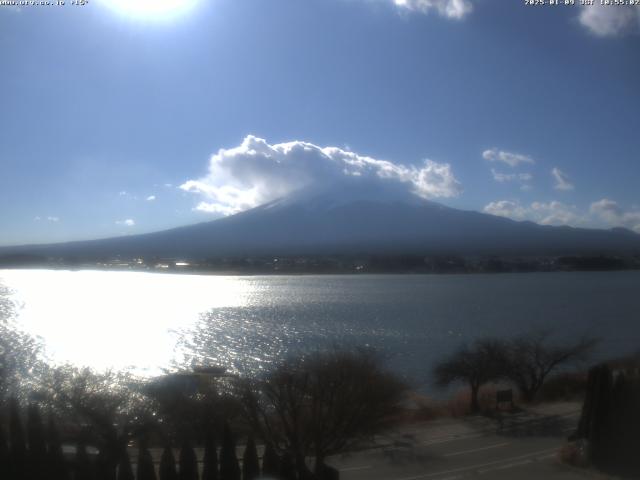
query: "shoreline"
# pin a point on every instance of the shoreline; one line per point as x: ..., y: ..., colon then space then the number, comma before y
x: 294, y: 272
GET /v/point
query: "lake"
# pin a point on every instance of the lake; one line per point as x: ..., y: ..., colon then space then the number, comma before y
x: 148, y: 321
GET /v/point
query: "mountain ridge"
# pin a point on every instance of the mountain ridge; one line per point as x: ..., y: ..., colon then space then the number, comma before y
x: 311, y: 223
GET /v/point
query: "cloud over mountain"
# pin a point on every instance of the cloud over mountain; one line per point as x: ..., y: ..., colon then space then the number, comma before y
x: 612, y: 214
x: 544, y: 213
x: 603, y: 213
x: 256, y: 172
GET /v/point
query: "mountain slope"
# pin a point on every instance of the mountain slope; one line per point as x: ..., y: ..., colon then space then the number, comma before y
x: 337, y: 223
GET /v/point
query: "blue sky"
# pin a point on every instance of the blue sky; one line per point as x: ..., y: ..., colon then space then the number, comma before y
x: 113, y: 119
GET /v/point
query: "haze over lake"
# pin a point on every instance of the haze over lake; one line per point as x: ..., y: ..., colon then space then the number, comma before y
x: 149, y: 321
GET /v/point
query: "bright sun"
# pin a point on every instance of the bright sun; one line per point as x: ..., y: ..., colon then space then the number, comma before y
x: 151, y: 9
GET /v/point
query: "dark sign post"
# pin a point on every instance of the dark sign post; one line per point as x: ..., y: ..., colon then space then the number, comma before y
x: 504, y: 396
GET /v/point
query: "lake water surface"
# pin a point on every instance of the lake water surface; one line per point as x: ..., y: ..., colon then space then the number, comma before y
x: 149, y: 321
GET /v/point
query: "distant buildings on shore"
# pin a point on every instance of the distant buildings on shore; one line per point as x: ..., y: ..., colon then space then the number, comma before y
x: 335, y: 264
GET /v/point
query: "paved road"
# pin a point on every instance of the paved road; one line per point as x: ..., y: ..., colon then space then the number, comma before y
x: 520, y: 446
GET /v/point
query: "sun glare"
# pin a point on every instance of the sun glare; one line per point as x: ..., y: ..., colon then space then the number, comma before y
x: 80, y: 321
x: 151, y: 9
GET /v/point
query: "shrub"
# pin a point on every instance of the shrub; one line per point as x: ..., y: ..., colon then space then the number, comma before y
x: 564, y: 387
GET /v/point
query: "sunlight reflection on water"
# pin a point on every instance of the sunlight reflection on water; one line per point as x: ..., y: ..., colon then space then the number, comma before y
x: 151, y: 321
x: 113, y: 319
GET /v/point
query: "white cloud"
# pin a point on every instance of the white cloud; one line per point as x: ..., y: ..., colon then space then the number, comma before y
x: 509, y: 158
x: 556, y: 213
x: 256, y: 172
x: 610, y: 20
x: 544, y: 213
x: 49, y: 218
x: 604, y: 213
x: 215, y: 208
x: 613, y: 215
x: 129, y: 222
x: 454, y: 9
x: 606, y: 209
x: 151, y: 198
x: 122, y: 193
x: 600, y: 20
x: 511, y: 177
x: 561, y: 179
x: 506, y: 208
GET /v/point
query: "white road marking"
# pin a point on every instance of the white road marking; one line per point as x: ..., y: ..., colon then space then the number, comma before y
x: 454, y: 438
x: 516, y: 464
x: 353, y: 469
x: 489, y: 431
x: 455, y: 454
x: 480, y: 465
x: 505, y: 466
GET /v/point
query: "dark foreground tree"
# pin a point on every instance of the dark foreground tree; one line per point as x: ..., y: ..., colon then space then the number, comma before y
x: 532, y: 357
x: 611, y: 419
x: 55, y: 456
x: 188, y: 463
x: 210, y: 461
x: 250, y: 462
x: 476, y: 365
x: 4, y: 455
x: 323, y: 404
x: 106, y: 465
x: 37, y: 444
x: 83, y: 467
x: 125, y: 472
x: 287, y: 467
x: 168, y: 465
x: 145, y: 468
x: 270, y: 461
x: 229, y: 468
x: 17, y: 446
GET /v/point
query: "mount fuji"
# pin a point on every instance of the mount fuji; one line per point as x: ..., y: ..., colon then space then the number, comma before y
x: 339, y: 220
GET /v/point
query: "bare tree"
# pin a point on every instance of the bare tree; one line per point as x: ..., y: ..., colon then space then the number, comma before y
x: 105, y: 407
x: 20, y: 361
x: 323, y: 404
x: 474, y: 365
x: 192, y: 403
x: 532, y: 357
